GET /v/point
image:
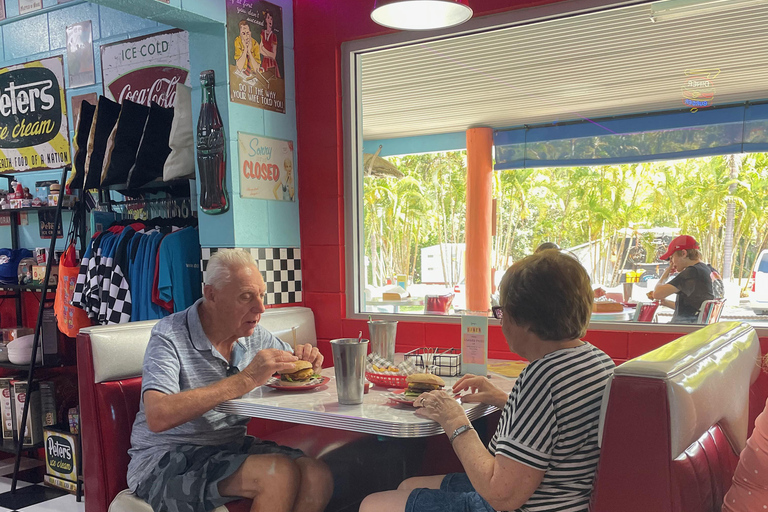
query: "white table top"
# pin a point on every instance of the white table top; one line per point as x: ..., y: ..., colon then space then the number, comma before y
x: 375, y: 415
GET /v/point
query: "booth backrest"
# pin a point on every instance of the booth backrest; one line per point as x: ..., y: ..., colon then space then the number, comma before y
x: 674, y: 422
x: 109, y: 360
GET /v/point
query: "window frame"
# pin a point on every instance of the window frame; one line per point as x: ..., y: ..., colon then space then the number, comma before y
x: 352, y: 143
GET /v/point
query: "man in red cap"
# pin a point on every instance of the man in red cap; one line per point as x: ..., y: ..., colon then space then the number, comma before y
x: 695, y: 282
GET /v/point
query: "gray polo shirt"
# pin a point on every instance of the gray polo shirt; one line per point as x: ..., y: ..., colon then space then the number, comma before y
x: 179, y: 357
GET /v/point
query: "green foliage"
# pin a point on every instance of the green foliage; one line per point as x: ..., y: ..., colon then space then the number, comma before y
x: 597, y: 208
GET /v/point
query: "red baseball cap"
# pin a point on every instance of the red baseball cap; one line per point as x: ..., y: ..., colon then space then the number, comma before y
x: 679, y: 243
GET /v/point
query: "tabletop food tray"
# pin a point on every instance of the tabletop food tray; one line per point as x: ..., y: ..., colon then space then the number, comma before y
x: 389, y: 381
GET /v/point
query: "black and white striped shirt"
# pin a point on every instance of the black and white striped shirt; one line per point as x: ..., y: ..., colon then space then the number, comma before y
x: 550, y: 423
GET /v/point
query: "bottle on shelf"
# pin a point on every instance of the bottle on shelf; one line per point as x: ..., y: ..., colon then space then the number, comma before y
x: 211, y: 151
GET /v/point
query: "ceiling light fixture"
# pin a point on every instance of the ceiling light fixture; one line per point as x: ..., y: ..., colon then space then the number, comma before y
x: 420, y: 14
x: 676, y: 9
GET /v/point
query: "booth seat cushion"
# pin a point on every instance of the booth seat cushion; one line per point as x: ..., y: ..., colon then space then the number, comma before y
x: 109, y: 375
x: 126, y: 501
x: 674, y: 420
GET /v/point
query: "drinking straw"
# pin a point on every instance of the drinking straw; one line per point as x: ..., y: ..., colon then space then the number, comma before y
x: 360, y: 336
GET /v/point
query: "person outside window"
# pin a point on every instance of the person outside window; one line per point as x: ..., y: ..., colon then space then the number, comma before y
x: 247, y: 57
x: 187, y: 457
x: 544, y: 453
x: 695, y: 282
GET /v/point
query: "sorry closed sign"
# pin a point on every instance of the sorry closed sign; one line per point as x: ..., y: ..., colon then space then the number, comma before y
x: 33, y: 117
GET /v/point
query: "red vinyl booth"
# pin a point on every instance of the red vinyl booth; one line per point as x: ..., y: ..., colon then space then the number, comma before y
x: 109, y: 378
x: 675, y: 422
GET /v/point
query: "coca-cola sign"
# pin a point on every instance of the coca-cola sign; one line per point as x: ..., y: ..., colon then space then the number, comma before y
x: 146, y: 69
x: 157, y: 83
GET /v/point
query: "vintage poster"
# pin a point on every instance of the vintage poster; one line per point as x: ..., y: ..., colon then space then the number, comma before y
x: 27, y: 6
x: 147, y: 68
x: 80, y: 54
x: 77, y: 101
x: 255, y: 43
x: 266, y: 168
x: 46, y: 221
x: 33, y: 116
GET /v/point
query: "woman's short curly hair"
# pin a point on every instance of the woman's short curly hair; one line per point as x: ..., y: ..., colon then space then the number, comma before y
x: 549, y: 293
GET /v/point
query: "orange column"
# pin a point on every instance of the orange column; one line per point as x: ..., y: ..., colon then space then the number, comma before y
x: 479, y: 218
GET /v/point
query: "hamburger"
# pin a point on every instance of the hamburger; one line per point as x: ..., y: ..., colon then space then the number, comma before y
x: 301, y: 374
x: 419, y: 383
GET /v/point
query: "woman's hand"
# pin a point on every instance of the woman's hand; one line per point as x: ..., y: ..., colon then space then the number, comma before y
x: 442, y: 408
x: 481, y: 390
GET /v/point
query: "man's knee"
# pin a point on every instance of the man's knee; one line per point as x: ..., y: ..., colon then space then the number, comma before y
x: 270, y: 475
x: 316, y: 474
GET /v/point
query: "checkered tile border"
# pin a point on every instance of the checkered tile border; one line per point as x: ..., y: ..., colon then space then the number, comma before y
x: 280, y: 267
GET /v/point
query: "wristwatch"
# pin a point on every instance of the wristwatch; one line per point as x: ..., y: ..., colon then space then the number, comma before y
x: 461, y: 430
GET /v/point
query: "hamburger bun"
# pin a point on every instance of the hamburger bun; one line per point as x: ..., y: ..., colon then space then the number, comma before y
x: 297, y: 366
x: 425, y: 378
x: 419, y: 383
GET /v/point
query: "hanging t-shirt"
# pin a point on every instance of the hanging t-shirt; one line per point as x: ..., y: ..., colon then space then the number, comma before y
x: 179, y: 273
x: 152, y: 311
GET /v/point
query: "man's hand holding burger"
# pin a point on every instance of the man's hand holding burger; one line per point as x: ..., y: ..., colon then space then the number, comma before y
x: 310, y: 353
x: 266, y: 363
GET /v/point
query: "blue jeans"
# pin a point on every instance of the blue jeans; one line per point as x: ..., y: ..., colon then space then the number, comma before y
x: 456, y: 494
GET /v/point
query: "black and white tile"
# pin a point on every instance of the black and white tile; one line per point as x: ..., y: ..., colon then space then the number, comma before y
x: 280, y: 267
x: 37, y: 498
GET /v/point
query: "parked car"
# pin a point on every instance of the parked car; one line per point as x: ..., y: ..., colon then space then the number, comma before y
x: 758, y: 298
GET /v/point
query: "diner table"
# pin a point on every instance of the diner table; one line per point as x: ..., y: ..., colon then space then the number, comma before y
x: 376, y: 415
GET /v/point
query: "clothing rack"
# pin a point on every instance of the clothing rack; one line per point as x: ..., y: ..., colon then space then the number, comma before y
x: 149, y: 208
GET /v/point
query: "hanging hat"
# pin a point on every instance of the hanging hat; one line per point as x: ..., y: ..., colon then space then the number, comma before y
x: 680, y: 243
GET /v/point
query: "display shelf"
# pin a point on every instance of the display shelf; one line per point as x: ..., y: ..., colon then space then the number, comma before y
x: 34, y: 209
x: 25, y: 287
x: 11, y: 366
x: 10, y: 446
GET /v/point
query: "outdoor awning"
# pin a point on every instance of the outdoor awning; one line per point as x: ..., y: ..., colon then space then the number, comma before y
x: 633, y: 139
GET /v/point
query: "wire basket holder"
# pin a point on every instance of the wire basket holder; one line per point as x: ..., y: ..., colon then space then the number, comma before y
x: 445, y: 362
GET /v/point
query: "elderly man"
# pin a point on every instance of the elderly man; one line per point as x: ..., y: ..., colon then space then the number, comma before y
x: 185, y: 456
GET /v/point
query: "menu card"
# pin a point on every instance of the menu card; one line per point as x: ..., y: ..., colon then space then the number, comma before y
x: 474, y: 342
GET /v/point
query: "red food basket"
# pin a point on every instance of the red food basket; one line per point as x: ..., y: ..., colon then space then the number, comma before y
x: 387, y: 381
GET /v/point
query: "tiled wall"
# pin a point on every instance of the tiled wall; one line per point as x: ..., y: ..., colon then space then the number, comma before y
x: 280, y: 268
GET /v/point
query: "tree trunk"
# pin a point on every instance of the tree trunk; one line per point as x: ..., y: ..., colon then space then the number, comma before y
x: 730, y: 212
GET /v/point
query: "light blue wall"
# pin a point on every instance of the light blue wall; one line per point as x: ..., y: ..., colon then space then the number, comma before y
x: 250, y: 222
x: 42, y: 34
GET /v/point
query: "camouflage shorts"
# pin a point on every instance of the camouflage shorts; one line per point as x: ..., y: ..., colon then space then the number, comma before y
x: 186, y: 479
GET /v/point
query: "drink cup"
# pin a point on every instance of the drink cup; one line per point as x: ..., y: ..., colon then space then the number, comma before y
x: 383, y: 333
x: 627, y: 291
x: 349, y: 356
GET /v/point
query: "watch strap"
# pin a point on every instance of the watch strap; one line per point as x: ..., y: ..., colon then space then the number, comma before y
x: 460, y: 430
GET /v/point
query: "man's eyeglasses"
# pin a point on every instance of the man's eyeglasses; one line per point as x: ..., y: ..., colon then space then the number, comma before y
x: 497, y: 312
x: 232, y: 370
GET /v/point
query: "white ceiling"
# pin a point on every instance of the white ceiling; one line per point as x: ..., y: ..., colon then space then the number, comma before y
x: 595, y: 65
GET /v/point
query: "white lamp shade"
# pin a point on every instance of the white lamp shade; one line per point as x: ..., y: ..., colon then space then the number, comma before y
x: 421, y: 14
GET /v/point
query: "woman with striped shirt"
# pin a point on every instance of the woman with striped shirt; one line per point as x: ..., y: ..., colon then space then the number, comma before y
x: 544, y: 453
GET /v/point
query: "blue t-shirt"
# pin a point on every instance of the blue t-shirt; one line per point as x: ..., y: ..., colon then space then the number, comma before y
x: 179, y: 275
x: 152, y: 311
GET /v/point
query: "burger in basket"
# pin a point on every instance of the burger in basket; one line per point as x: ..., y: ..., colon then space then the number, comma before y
x: 300, y: 375
x: 419, y: 383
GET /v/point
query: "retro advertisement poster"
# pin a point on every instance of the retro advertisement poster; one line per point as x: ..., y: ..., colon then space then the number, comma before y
x: 255, y: 47
x: 266, y: 168
x: 147, y: 68
x: 80, y: 54
x: 27, y: 6
x: 33, y: 116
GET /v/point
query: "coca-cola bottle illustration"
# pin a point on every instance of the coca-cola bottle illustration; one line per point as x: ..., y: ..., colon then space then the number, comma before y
x: 211, y: 151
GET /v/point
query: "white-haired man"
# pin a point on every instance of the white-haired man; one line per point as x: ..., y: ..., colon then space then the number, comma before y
x: 186, y: 457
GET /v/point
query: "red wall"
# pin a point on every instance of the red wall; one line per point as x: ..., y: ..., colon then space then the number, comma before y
x: 320, y: 26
